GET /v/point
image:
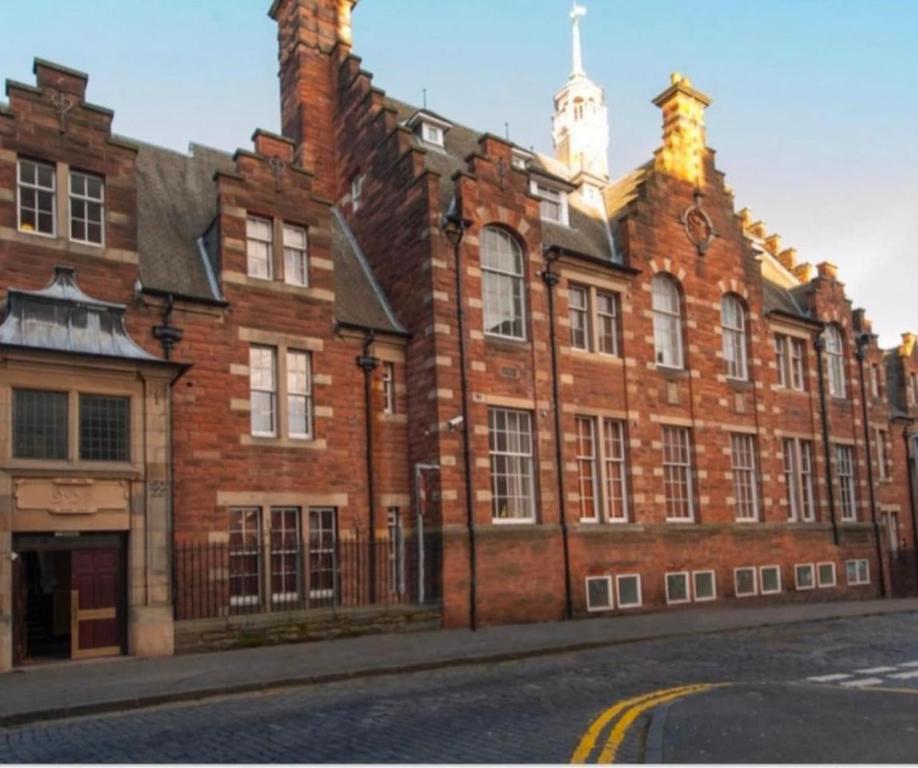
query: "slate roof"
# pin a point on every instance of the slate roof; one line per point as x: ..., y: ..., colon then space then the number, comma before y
x: 177, y: 203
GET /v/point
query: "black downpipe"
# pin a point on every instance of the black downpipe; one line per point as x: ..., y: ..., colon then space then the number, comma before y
x: 862, y: 343
x: 454, y: 227
x: 551, y: 279
x: 911, y: 495
x: 367, y: 363
x: 820, y: 345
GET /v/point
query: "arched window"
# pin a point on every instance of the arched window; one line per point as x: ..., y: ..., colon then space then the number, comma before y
x: 835, y: 354
x: 733, y: 324
x: 667, y: 322
x: 502, y: 284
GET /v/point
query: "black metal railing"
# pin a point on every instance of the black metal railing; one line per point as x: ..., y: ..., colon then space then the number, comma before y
x: 219, y: 579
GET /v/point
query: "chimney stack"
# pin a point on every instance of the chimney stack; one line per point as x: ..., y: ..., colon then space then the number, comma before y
x: 682, y: 154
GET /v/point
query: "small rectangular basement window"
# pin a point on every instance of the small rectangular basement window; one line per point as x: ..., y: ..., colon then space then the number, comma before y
x: 826, y: 575
x: 704, y: 584
x: 744, y: 582
x: 804, y: 576
x: 677, y: 588
x: 628, y: 588
x: 599, y: 593
x: 770, y: 579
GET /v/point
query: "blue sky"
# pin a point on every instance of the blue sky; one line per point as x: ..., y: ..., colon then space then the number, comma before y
x: 814, y: 116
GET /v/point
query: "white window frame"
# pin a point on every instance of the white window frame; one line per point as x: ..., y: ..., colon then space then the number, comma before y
x: 87, y: 200
x: 550, y: 196
x: 755, y: 581
x: 746, y: 499
x: 789, y: 352
x: 678, y: 472
x: 432, y: 134
x: 611, y: 317
x: 666, y: 303
x: 296, y: 393
x: 825, y: 584
x: 246, y: 552
x: 798, y: 478
x: 318, y: 548
x: 733, y: 328
x: 388, y: 387
x: 595, y: 608
x: 283, y: 551
x: 251, y: 238
x: 296, y: 254
x: 761, y: 577
x: 502, y: 289
x: 883, y: 467
x: 588, y: 457
x: 36, y: 188
x: 357, y: 191
x: 835, y: 361
x: 263, y: 387
x: 858, y: 564
x: 686, y: 578
x: 713, y: 595
x: 614, y: 469
x: 579, y: 317
x: 844, y: 481
x: 622, y: 606
x: 803, y: 568
x: 519, y: 463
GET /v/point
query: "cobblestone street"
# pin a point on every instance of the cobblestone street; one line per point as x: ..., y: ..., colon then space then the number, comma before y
x: 792, y: 693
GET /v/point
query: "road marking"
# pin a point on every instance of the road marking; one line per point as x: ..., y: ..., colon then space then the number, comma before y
x: 904, y: 675
x: 862, y: 682
x: 588, y: 741
x: 909, y: 664
x: 617, y: 736
x: 875, y: 670
x: 828, y: 678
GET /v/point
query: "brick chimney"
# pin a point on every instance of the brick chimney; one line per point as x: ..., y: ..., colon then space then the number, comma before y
x: 682, y: 154
x: 308, y: 32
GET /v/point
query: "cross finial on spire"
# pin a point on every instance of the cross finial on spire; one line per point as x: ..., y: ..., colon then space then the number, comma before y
x: 577, y: 13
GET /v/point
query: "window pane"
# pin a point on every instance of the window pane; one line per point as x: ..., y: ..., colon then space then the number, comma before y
x: 39, y: 424
x: 258, y: 247
x: 667, y: 322
x: 285, y: 554
x: 677, y: 480
x: 104, y: 428
x: 263, y: 389
x: 322, y: 554
x: 299, y: 394
x: 295, y: 266
x: 586, y: 465
x: 511, y: 464
x: 502, y: 284
x: 245, y: 557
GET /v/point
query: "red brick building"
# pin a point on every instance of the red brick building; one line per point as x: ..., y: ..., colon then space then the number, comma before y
x: 258, y: 375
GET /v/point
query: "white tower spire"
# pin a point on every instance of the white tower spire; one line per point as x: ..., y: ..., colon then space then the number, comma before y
x: 580, y: 125
x: 577, y: 13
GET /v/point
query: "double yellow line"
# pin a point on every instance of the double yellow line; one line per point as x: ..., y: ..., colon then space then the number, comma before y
x: 627, y: 712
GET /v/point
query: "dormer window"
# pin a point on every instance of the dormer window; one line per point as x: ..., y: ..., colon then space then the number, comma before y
x: 553, y: 203
x: 430, y: 128
x: 520, y: 159
x: 592, y: 195
x: 432, y: 134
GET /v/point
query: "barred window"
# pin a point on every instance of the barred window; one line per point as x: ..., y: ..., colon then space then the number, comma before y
x: 667, y: 322
x: 37, y: 190
x: 299, y: 394
x: 263, y: 390
x: 587, y: 467
x: 579, y: 310
x: 510, y: 442
x: 798, y: 479
x: 285, y: 555
x: 87, y: 208
x: 245, y: 556
x: 733, y: 325
x: 844, y: 479
x: 835, y: 354
x: 105, y: 428
x: 502, y: 284
x: 744, y: 479
x: 259, y: 239
x: 39, y: 424
x: 296, y: 267
x: 606, y: 323
x: 323, y: 555
x: 677, y: 473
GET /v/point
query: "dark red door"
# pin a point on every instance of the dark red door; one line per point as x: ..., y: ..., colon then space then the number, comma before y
x: 95, y: 604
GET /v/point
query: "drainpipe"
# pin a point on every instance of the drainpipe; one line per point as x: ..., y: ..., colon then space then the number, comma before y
x: 367, y: 363
x: 909, y: 461
x: 820, y: 345
x: 551, y: 279
x: 454, y: 226
x: 863, y: 342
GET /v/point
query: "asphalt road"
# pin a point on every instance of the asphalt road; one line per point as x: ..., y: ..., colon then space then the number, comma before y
x: 746, y: 696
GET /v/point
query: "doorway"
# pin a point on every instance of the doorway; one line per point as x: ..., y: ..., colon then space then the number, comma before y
x: 69, y: 597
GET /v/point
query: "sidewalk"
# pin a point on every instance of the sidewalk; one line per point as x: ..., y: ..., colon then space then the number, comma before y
x: 42, y: 693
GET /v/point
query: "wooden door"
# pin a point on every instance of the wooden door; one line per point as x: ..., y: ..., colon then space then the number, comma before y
x: 95, y: 605
x: 20, y: 607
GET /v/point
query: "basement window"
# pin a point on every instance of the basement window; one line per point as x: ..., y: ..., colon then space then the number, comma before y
x: 599, y: 593
x: 704, y: 585
x: 628, y: 587
x: 804, y: 576
x: 858, y: 572
x: 677, y: 588
x: 770, y: 579
x: 826, y: 575
x: 744, y: 582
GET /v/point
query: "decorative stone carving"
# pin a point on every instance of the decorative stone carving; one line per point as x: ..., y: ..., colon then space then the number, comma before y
x: 698, y: 225
x: 76, y: 496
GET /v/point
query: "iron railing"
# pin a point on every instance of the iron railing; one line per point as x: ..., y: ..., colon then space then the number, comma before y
x: 218, y: 579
